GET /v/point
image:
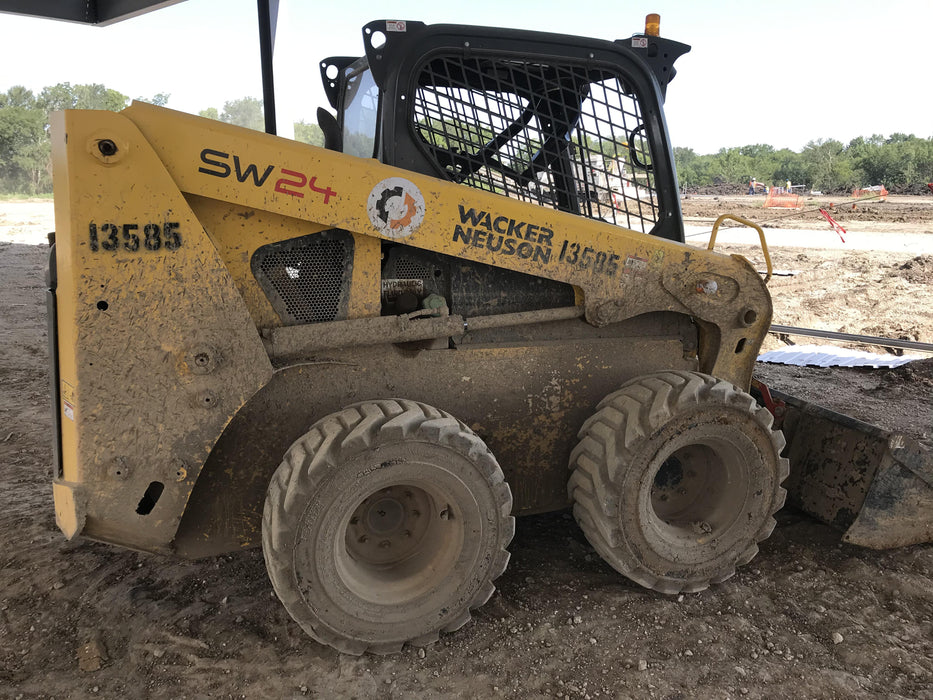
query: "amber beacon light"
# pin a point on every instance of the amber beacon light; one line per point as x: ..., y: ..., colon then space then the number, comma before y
x: 653, y: 25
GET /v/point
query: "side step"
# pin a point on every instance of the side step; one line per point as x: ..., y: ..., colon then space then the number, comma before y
x: 875, y: 485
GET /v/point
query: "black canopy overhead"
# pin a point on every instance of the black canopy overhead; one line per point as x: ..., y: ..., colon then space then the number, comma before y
x: 88, y: 11
x: 104, y: 12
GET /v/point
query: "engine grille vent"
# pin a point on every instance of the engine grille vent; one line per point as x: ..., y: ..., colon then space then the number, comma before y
x: 410, y: 267
x: 307, y: 279
x: 566, y: 136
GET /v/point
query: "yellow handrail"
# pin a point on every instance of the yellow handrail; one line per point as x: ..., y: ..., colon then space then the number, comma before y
x: 746, y: 222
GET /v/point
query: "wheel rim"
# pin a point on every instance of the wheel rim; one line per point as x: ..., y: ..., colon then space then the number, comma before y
x: 398, y: 543
x: 696, y: 493
x: 389, y: 526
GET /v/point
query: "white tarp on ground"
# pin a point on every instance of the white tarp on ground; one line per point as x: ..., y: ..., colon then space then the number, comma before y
x: 829, y: 356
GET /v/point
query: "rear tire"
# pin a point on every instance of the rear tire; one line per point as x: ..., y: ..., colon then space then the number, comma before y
x: 385, y: 525
x: 676, y: 479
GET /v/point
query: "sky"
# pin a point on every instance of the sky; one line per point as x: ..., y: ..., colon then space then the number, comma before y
x: 758, y: 72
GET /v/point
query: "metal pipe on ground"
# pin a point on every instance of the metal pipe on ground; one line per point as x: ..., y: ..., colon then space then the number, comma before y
x: 853, y: 338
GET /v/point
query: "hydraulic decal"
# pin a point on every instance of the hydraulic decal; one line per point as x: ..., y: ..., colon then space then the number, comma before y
x: 392, y: 289
x: 395, y: 207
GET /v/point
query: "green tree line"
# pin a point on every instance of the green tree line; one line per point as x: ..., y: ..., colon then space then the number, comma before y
x: 900, y: 162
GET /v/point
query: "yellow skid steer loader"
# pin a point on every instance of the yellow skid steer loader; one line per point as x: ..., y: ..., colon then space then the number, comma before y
x: 474, y: 303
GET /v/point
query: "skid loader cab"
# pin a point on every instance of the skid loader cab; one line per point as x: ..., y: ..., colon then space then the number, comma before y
x: 564, y: 122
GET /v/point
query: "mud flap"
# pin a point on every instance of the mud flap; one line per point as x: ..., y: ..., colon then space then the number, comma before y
x: 875, y: 485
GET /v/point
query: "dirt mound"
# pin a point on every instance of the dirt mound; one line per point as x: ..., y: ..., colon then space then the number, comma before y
x: 919, y: 372
x: 719, y: 189
x: 917, y: 270
x: 915, y: 188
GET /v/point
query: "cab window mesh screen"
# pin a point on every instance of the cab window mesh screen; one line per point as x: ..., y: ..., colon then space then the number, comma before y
x: 559, y: 135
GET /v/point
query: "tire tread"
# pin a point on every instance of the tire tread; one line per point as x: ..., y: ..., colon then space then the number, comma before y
x: 608, y: 441
x: 330, y: 441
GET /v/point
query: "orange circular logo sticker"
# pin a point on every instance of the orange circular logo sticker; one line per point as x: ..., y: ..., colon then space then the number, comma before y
x: 395, y: 207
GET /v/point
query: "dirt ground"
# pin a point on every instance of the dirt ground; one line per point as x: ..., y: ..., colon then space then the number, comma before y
x: 907, y: 214
x: 809, y: 617
x: 884, y: 291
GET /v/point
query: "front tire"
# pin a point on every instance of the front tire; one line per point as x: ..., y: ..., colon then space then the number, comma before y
x: 676, y: 479
x: 385, y: 525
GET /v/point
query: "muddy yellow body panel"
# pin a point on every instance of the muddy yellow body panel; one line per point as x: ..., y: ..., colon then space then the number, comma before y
x: 165, y: 335
x: 157, y: 350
